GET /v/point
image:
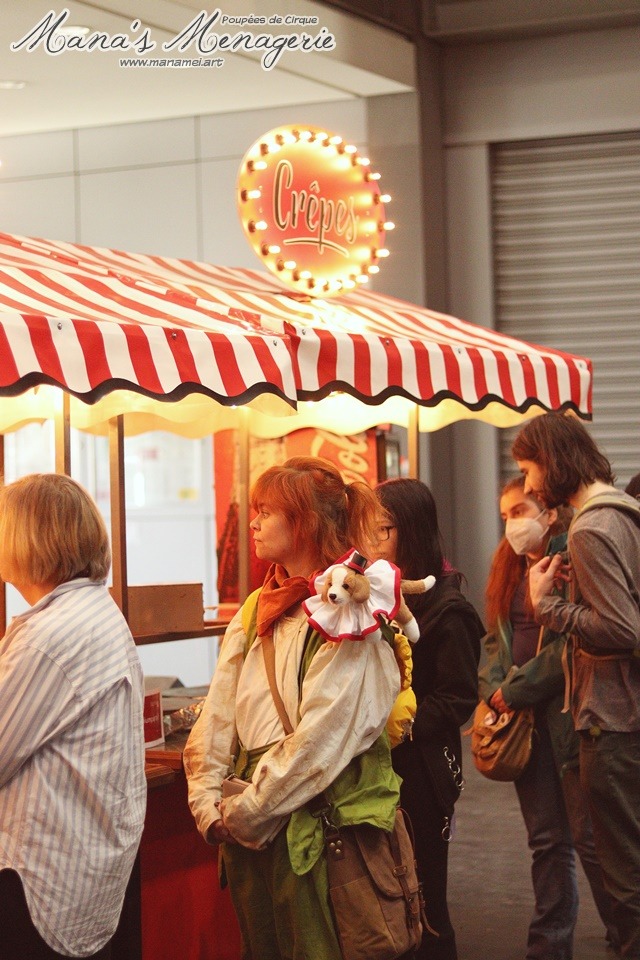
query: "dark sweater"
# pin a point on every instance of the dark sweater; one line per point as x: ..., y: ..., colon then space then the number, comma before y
x: 445, y: 678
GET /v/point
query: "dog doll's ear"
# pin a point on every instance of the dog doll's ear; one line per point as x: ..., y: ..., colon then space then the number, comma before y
x: 361, y: 590
x: 325, y: 590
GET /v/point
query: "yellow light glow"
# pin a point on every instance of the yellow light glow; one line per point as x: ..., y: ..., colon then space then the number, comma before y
x: 385, y: 198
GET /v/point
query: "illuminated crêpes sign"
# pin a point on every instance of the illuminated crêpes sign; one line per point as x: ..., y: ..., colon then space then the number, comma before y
x: 312, y: 210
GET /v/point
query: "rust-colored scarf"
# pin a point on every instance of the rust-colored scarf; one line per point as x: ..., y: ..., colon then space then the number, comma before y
x: 279, y: 593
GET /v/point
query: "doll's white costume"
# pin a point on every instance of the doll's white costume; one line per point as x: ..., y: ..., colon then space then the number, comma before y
x: 352, y: 594
x: 350, y: 597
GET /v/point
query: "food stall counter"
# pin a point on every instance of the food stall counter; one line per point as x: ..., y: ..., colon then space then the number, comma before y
x: 184, y: 913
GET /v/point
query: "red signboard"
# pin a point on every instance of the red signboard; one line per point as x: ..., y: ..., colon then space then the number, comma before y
x: 312, y: 209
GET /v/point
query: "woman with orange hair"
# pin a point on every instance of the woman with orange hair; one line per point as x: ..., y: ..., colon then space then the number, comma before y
x: 327, y: 735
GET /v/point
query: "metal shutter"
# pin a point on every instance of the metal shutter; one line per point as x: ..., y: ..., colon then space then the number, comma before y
x: 566, y: 229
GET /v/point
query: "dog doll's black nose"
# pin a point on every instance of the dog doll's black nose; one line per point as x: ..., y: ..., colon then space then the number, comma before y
x: 333, y: 595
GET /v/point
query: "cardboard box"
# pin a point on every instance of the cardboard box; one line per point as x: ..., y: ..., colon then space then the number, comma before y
x: 165, y: 608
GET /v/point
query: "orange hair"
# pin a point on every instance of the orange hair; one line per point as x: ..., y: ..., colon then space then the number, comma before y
x: 320, y: 507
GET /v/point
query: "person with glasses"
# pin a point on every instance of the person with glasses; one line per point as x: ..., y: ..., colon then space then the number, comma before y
x: 445, y: 681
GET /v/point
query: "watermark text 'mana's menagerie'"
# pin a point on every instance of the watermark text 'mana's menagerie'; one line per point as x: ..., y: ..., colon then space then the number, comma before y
x: 197, y: 36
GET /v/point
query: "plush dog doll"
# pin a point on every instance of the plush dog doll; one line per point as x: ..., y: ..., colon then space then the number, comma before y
x: 350, y: 597
x: 352, y: 594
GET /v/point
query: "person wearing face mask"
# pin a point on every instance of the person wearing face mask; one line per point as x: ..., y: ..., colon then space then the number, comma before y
x: 524, y: 668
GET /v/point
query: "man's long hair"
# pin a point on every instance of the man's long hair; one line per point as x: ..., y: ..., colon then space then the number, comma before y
x: 566, y: 453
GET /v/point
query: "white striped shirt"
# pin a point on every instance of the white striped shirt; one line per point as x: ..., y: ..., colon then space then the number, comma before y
x: 72, y: 781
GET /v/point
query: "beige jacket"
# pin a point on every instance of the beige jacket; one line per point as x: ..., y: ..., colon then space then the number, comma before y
x: 346, y: 697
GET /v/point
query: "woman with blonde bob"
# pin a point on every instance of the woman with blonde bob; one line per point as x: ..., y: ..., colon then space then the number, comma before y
x: 72, y: 782
x: 336, y: 697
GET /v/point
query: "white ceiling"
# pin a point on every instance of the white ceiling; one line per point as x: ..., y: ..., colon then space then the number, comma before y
x: 81, y: 88
x: 89, y: 88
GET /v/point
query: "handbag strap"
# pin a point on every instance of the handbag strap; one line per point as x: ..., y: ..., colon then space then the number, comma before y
x: 269, y: 654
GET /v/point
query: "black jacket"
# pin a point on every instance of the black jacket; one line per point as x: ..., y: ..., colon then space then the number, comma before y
x: 445, y: 681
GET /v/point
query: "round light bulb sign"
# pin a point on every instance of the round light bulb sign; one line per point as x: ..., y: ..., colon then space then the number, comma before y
x: 312, y: 210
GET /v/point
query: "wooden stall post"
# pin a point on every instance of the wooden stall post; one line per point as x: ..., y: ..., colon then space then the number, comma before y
x: 3, y: 588
x: 413, y: 442
x: 63, y: 436
x: 243, y: 504
x: 118, y: 514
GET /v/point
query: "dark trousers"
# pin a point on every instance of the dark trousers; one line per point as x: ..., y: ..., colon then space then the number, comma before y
x: 19, y: 939
x: 553, y: 872
x: 577, y: 805
x: 417, y: 797
x: 610, y: 776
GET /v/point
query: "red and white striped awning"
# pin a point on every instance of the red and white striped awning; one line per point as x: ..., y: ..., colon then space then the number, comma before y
x: 125, y: 332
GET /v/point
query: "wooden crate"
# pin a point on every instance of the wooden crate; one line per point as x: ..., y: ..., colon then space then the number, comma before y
x: 158, y: 608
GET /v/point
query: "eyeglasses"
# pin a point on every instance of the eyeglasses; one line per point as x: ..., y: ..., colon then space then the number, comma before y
x: 382, y: 532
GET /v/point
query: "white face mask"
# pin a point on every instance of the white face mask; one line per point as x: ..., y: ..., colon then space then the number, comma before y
x: 525, y: 533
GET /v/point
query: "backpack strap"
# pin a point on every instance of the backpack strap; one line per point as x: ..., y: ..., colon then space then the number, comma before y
x: 312, y: 642
x: 269, y: 654
x: 250, y: 615
x: 612, y: 500
x: 631, y: 507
